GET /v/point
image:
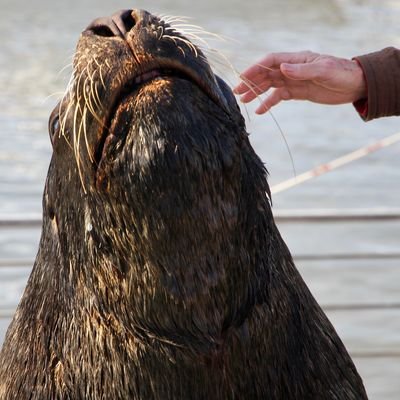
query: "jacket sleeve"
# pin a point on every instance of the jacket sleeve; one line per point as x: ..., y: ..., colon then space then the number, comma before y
x: 382, y: 74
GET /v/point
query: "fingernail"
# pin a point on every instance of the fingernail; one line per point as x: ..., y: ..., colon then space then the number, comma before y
x: 288, y: 67
x: 261, y: 110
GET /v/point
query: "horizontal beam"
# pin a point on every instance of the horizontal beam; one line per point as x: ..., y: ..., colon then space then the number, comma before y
x: 28, y: 263
x: 375, y: 354
x: 281, y: 216
x: 337, y: 215
x: 362, y: 307
x: 8, y: 312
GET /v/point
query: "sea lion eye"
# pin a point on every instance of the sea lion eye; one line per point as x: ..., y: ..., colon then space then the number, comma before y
x: 54, y: 123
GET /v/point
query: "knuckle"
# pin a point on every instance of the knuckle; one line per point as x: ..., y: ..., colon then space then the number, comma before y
x: 328, y: 62
x: 286, y: 95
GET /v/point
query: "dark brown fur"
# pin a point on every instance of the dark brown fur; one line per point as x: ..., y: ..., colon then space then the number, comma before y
x: 160, y: 273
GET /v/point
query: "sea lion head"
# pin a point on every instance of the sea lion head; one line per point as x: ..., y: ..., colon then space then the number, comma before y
x: 151, y: 167
x: 133, y: 73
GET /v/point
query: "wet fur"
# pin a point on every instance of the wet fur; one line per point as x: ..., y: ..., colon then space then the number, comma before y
x: 160, y: 272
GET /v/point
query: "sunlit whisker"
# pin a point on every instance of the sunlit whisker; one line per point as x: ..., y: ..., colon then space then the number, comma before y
x: 63, y: 123
x: 86, y: 96
x: 100, y: 72
x: 200, y: 30
x: 253, y: 88
x: 93, y: 90
x: 174, y: 39
x: 68, y: 66
x: 196, y: 38
x: 77, y: 148
x: 85, y: 136
x: 188, y: 43
x: 168, y: 19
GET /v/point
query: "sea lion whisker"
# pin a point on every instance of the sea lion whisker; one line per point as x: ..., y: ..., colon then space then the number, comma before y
x: 51, y: 95
x: 168, y: 19
x: 63, y: 122
x: 69, y: 65
x: 88, y: 99
x: 220, y: 57
x: 85, y: 135
x: 78, y: 83
x: 71, y: 82
x: 87, y: 94
x: 182, y: 51
x: 174, y: 40
x: 196, y: 29
x: 93, y: 90
x: 77, y: 139
x: 188, y: 43
x: 252, y: 87
x: 191, y: 36
x: 257, y: 64
x: 225, y: 61
x: 100, y: 67
x: 97, y: 96
x: 101, y: 77
x: 162, y: 29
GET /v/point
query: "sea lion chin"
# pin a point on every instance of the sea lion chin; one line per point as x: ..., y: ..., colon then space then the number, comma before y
x: 160, y: 272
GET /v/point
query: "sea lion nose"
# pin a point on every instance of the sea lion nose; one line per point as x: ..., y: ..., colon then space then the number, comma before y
x: 119, y: 24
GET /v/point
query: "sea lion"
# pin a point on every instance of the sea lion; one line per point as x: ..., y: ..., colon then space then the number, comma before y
x: 160, y: 272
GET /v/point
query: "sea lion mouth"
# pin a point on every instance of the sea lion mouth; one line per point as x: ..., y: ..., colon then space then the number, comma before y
x: 168, y: 69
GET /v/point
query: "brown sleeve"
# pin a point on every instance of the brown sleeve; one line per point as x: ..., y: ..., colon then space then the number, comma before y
x: 382, y: 73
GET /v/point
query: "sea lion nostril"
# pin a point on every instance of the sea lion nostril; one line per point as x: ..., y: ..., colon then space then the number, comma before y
x: 125, y: 20
x: 117, y: 25
x: 129, y: 20
x: 104, y: 27
x: 102, y: 30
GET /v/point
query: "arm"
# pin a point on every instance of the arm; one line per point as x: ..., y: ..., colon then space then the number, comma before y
x: 302, y: 76
x: 371, y: 82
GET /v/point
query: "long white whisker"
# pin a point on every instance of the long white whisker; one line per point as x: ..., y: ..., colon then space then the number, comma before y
x: 100, y: 72
x: 85, y: 136
x: 77, y: 139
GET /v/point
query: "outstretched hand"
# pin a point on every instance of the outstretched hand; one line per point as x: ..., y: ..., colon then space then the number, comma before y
x: 302, y: 76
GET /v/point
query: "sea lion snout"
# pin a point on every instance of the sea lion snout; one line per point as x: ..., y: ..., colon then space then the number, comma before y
x: 120, y: 23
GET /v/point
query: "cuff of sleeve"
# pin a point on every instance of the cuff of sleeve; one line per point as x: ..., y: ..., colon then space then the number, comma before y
x: 380, y: 71
x: 361, y: 107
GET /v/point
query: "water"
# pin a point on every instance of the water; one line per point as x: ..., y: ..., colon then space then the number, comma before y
x: 38, y: 40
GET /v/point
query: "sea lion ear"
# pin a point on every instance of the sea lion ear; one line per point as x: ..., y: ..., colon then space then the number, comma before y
x: 54, y: 123
x: 231, y: 101
x: 226, y: 91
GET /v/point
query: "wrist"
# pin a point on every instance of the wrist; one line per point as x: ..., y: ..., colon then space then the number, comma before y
x: 360, y: 91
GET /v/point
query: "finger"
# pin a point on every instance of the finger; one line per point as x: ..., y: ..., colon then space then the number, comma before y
x: 254, y: 92
x: 309, y: 71
x: 242, y: 87
x: 272, y: 62
x: 273, y: 99
x: 259, y: 80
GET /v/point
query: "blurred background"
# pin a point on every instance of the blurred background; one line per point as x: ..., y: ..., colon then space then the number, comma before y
x: 350, y: 264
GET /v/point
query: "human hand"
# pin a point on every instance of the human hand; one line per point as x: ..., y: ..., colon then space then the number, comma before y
x: 302, y: 76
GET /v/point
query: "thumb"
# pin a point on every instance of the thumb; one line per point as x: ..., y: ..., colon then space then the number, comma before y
x: 303, y: 72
